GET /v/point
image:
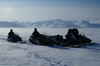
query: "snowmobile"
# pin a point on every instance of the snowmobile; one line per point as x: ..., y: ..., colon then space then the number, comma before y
x: 84, y: 39
x: 41, y: 40
x: 59, y: 41
x: 14, y: 38
x: 67, y: 42
x: 72, y: 43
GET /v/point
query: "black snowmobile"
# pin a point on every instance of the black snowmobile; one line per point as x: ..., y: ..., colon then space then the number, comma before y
x: 41, y: 40
x: 72, y: 43
x: 84, y: 39
x: 67, y: 42
x: 73, y: 38
x: 14, y: 38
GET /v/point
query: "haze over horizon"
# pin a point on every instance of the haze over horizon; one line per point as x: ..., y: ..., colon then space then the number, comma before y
x: 40, y: 10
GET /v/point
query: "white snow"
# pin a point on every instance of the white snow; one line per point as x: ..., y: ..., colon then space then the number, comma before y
x: 27, y: 54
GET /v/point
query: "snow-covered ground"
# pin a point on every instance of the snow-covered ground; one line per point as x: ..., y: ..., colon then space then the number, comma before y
x: 27, y: 54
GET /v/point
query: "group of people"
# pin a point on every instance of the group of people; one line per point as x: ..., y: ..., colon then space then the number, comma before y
x: 71, y: 34
x: 12, y: 37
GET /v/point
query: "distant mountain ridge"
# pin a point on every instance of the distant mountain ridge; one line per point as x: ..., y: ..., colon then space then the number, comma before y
x: 9, y: 24
x: 58, y: 23
x: 55, y: 23
x: 87, y: 24
x: 96, y: 21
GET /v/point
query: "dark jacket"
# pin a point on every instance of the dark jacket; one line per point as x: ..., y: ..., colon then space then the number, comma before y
x: 10, y: 33
x: 36, y: 33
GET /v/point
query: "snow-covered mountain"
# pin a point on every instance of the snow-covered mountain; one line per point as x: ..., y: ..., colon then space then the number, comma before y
x: 9, y: 24
x: 82, y: 23
x: 96, y: 21
x: 88, y: 24
x: 25, y: 24
x: 55, y: 23
x: 58, y: 23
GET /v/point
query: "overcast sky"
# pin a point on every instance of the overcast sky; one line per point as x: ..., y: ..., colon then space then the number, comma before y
x: 40, y: 10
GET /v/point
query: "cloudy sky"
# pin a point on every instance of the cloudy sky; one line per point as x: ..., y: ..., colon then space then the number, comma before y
x: 40, y: 10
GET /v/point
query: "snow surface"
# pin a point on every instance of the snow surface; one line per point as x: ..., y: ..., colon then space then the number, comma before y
x: 27, y: 54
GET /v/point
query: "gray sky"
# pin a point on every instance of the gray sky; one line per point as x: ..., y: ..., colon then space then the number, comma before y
x: 40, y: 10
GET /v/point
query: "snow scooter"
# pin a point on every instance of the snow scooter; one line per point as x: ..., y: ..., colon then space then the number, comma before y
x: 41, y: 40
x: 59, y: 41
x: 66, y: 42
x: 84, y: 40
x: 15, y: 38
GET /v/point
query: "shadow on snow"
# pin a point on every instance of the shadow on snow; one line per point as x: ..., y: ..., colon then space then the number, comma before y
x: 95, y: 46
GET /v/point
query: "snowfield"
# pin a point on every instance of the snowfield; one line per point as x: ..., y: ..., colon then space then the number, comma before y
x: 27, y: 54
